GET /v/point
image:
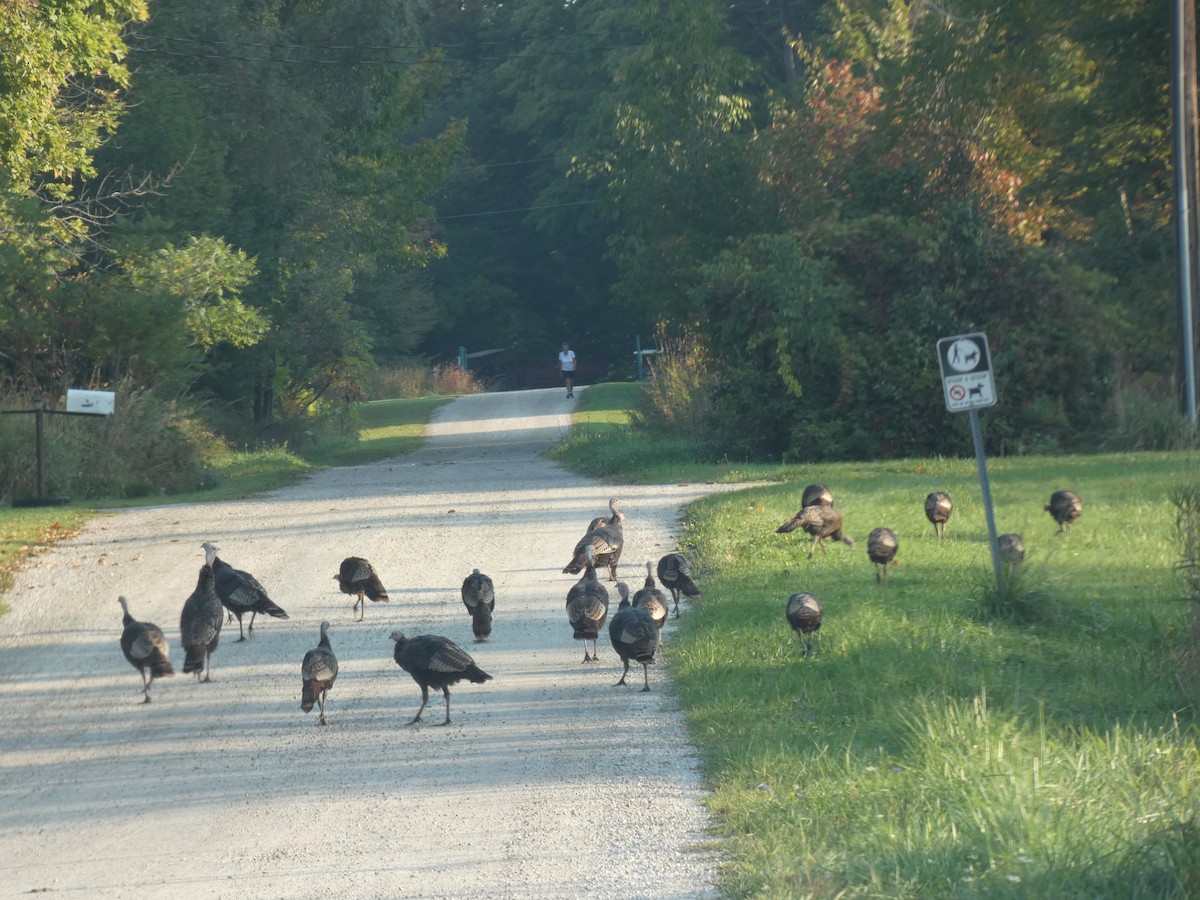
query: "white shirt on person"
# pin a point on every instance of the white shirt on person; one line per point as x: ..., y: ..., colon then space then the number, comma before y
x: 566, y: 360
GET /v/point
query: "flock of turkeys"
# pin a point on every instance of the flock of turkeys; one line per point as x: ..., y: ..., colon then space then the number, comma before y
x: 433, y: 661
x: 818, y: 518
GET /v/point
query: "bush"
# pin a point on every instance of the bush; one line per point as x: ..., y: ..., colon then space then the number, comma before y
x: 679, y: 390
x: 417, y: 380
x: 148, y: 446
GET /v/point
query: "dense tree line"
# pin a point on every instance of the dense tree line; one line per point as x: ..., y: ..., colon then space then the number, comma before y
x: 258, y: 203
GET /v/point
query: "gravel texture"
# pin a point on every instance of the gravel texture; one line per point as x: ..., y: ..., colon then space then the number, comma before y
x: 549, y: 782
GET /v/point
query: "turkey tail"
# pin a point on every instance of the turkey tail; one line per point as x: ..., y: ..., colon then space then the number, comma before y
x: 575, y: 566
x: 688, y: 587
x: 481, y: 622
x: 309, y: 695
x: 269, y: 607
x: 376, y: 593
x: 788, y: 527
x: 193, y: 661
x: 476, y: 675
x: 161, y: 668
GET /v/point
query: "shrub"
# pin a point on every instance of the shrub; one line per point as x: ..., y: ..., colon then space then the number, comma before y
x: 418, y: 380
x: 148, y: 446
x: 679, y: 389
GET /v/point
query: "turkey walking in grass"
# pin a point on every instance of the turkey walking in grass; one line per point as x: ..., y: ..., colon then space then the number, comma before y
x: 1066, y: 508
x: 357, y: 577
x: 652, y: 600
x: 200, y: 626
x: 587, y: 607
x: 479, y: 597
x: 804, y: 614
x: 676, y: 576
x: 822, y: 522
x: 634, y: 635
x: 318, y: 670
x: 938, y: 508
x: 881, y: 550
x: 1012, y: 548
x: 437, y: 662
x: 146, y: 649
x: 240, y: 591
x: 816, y: 495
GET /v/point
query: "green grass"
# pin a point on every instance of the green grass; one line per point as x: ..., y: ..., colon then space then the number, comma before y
x: 930, y: 748
x: 27, y: 532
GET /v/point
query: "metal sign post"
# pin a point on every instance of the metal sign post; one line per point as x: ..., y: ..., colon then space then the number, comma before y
x: 967, y: 382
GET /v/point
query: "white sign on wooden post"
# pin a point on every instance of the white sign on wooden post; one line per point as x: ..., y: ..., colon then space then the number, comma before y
x: 96, y: 403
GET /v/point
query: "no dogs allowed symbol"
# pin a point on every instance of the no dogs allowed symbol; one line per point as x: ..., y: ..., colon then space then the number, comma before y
x: 966, y: 372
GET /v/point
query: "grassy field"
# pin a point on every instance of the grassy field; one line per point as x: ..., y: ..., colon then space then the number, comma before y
x: 928, y: 748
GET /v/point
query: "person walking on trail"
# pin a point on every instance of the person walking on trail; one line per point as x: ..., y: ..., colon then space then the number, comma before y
x: 566, y: 365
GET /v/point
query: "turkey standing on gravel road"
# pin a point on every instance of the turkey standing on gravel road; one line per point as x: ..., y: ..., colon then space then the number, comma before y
x: 145, y: 647
x: 587, y: 606
x: 239, y: 591
x: 607, y: 541
x: 479, y: 597
x: 200, y: 626
x: 634, y: 636
x: 319, y: 671
x: 435, y: 661
x: 653, y: 601
x: 357, y: 577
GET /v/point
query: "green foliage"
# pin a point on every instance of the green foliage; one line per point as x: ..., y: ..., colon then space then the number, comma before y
x: 148, y: 446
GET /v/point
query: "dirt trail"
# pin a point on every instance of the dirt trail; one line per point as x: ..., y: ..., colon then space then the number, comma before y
x: 549, y: 782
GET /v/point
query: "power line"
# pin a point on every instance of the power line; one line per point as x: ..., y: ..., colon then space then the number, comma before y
x: 500, y: 212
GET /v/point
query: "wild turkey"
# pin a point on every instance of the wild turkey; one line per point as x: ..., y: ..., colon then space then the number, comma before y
x: 804, y: 614
x: 602, y: 520
x: 146, y: 649
x: 1066, y: 508
x: 319, y: 671
x: 881, y: 550
x: 437, y: 662
x: 1012, y: 548
x: 822, y: 522
x: 240, y: 591
x: 676, y: 576
x: 200, y: 625
x: 653, y: 601
x: 938, y: 507
x: 357, y: 577
x: 634, y: 635
x: 816, y: 495
x: 607, y: 541
x: 479, y: 597
x: 587, y: 606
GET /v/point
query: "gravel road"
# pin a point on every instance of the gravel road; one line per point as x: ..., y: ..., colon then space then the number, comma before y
x: 549, y: 782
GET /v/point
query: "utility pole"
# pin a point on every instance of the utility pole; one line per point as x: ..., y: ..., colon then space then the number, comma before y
x: 1187, y: 222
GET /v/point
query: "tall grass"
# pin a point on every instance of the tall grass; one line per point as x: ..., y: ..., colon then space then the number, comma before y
x: 418, y: 380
